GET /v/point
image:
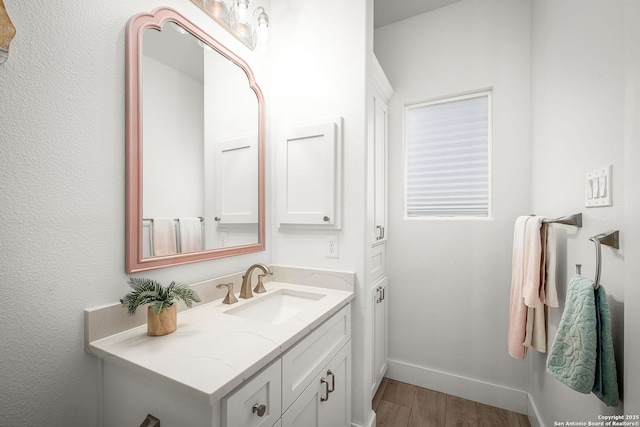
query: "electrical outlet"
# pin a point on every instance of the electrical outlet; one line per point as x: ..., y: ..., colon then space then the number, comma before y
x: 223, y: 239
x: 331, y: 243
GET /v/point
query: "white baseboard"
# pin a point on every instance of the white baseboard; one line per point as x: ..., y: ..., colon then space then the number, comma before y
x: 466, y: 388
x: 370, y: 423
x: 534, y: 415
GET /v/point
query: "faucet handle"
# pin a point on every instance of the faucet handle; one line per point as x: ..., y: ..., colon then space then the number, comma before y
x: 260, y: 286
x: 230, y: 298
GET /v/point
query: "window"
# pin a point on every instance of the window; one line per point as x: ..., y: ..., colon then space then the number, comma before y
x: 447, y: 163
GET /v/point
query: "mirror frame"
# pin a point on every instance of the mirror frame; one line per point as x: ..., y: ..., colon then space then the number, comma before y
x: 134, y: 261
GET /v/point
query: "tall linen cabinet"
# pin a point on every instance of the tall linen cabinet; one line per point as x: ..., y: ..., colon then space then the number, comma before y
x: 379, y: 95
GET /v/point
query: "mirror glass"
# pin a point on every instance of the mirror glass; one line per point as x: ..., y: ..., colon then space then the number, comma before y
x: 195, y: 180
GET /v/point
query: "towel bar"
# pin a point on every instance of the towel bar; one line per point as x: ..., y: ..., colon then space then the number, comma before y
x: 175, y: 219
x: 609, y: 239
x: 150, y: 421
x: 575, y: 220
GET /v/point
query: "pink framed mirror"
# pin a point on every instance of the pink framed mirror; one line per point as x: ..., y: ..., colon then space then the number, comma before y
x: 195, y: 146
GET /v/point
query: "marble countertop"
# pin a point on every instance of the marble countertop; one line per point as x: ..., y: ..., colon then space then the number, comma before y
x: 213, y: 352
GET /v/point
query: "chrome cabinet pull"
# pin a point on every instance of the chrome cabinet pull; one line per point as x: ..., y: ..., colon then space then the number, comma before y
x: 380, y: 296
x: 259, y: 409
x: 333, y: 381
x: 326, y: 390
x: 326, y: 218
x: 380, y: 232
x: 383, y: 293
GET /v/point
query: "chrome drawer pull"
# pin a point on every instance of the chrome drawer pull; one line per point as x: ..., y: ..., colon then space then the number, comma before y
x: 260, y: 409
x: 333, y: 381
x: 326, y: 390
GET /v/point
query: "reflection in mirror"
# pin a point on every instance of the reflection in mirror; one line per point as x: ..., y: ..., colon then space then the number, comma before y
x: 195, y: 171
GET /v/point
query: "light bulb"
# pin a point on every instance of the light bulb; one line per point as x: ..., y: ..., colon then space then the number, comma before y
x: 263, y: 24
x: 242, y: 6
x: 217, y: 8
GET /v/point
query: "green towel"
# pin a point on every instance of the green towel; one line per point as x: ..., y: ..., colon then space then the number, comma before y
x: 606, y: 377
x: 572, y: 358
x: 582, y: 355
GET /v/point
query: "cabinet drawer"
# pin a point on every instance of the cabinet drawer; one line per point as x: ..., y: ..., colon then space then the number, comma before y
x: 378, y: 261
x: 263, y: 389
x: 305, y: 361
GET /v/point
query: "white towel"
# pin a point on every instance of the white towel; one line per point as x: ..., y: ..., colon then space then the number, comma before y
x: 551, y: 290
x: 532, y: 263
x: 190, y: 235
x: 164, y: 236
x: 517, y: 308
x: 535, y: 331
x: 538, y: 282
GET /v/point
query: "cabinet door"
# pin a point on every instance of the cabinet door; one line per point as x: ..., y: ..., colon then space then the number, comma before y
x: 306, y: 360
x: 379, y: 295
x: 327, y: 401
x: 309, y: 175
x: 236, y: 181
x: 336, y: 410
x: 379, y: 169
x: 305, y: 411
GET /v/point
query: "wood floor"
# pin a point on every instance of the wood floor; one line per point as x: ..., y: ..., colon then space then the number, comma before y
x: 399, y: 404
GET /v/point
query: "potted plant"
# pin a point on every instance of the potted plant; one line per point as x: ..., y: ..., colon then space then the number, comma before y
x: 161, y: 314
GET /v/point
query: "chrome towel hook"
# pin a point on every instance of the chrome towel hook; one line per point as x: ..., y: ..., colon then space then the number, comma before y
x: 609, y: 239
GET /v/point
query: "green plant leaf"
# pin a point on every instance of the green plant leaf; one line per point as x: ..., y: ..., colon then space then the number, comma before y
x: 149, y: 291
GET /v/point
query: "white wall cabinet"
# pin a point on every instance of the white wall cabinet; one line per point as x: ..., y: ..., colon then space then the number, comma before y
x: 379, y: 293
x: 270, y: 398
x: 379, y: 97
x: 379, y: 165
x: 380, y: 93
x: 309, y: 175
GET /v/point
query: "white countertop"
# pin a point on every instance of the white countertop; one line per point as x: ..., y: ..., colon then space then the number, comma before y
x: 212, y: 352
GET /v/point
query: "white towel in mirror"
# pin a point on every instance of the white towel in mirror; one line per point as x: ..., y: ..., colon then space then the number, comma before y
x: 190, y: 235
x: 164, y: 236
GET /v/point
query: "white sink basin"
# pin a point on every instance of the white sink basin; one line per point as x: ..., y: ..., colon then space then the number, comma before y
x: 277, y: 306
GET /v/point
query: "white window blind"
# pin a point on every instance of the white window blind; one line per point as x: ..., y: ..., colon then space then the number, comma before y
x: 447, y: 157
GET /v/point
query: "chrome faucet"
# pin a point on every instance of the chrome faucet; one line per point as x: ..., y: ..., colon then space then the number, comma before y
x: 245, y: 290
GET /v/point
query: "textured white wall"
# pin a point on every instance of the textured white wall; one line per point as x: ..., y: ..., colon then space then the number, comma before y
x: 451, y: 279
x: 62, y: 199
x: 632, y: 209
x: 578, y: 126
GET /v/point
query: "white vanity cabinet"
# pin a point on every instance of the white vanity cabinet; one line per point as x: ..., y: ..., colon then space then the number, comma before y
x: 286, y: 386
x: 326, y: 402
x: 270, y: 397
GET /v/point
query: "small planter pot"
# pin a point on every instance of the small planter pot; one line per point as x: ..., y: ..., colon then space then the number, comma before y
x: 163, y: 323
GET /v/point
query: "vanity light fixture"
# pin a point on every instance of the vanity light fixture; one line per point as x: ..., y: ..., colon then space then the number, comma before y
x: 244, y: 21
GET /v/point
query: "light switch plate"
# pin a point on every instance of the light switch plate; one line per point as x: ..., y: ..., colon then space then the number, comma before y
x: 598, y: 188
